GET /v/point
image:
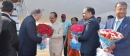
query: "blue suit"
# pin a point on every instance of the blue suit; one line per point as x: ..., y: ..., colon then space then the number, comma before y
x: 28, y: 37
x: 123, y: 46
x: 89, y: 39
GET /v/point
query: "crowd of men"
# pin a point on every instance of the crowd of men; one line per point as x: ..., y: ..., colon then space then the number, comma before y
x: 25, y: 44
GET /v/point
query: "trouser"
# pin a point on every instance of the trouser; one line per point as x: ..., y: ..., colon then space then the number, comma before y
x: 65, y: 48
x: 53, y: 54
x: 19, y: 54
x: 82, y: 54
x: 8, y: 52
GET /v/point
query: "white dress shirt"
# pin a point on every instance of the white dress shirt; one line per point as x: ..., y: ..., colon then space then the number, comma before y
x: 102, y: 26
x: 119, y: 22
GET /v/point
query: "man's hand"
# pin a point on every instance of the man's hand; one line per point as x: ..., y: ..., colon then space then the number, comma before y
x: 76, y: 38
x: 111, y: 47
x: 44, y: 37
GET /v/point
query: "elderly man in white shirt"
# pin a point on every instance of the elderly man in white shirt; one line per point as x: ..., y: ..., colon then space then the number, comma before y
x: 101, y: 25
x: 56, y: 40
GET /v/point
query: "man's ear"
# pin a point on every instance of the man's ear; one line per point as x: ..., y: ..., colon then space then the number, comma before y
x: 12, y: 11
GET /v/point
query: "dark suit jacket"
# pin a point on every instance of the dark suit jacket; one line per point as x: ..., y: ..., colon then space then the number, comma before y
x: 8, y: 38
x: 1, y: 21
x: 90, y: 39
x: 28, y: 37
x: 123, y: 46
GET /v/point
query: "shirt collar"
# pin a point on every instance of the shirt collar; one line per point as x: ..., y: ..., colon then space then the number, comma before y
x: 33, y: 18
x: 120, y: 20
x: 85, y: 21
x: 6, y: 13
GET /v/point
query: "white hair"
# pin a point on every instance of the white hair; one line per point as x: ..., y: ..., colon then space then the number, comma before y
x: 36, y: 11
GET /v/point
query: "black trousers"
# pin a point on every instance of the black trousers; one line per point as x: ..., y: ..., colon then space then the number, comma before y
x: 19, y: 54
x: 82, y: 54
x: 24, y: 55
x: 65, y: 48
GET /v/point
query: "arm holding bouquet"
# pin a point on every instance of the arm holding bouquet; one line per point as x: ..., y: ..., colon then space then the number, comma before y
x: 44, y: 31
x: 111, y: 47
x: 76, y: 31
x: 87, y: 31
x: 31, y: 29
x: 121, y: 45
x: 44, y: 37
x: 124, y: 44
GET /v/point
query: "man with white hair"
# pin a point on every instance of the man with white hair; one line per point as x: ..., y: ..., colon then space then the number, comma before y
x: 28, y: 34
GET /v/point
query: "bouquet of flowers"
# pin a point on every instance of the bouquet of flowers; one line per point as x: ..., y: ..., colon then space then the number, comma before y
x: 44, y: 30
x: 76, y: 31
x: 107, y: 38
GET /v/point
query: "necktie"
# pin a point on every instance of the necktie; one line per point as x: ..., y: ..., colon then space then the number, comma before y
x: 116, y: 25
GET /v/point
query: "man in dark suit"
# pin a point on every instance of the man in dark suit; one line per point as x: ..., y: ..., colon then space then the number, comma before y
x: 121, y: 24
x: 8, y: 38
x: 28, y: 34
x: 89, y: 39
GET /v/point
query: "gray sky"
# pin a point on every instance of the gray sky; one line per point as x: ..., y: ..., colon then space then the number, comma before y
x: 72, y: 8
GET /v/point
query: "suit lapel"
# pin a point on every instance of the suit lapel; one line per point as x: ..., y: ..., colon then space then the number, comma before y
x: 3, y: 14
x: 123, y: 23
x: 85, y: 25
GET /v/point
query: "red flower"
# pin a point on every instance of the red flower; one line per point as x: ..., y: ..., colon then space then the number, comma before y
x: 104, y: 35
x: 108, y: 35
x: 108, y: 30
x: 44, y: 29
x: 77, y: 28
x: 116, y: 34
